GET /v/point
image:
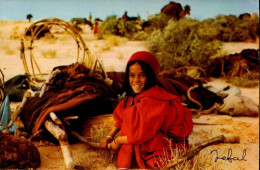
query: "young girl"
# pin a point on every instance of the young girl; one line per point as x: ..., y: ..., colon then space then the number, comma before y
x: 152, y: 121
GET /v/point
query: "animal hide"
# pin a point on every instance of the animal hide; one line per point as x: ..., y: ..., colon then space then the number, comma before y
x: 72, y: 92
x: 236, y: 64
x: 75, y: 92
x: 179, y: 85
x: 18, y: 153
x: 234, y: 103
x: 238, y: 105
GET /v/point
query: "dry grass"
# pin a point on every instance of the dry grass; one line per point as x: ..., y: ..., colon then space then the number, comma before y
x: 110, y: 69
x: 120, y: 56
x: 105, y: 47
x: 50, y: 40
x: 8, y: 50
x: 115, y: 40
x: 202, y: 161
x: 96, y: 129
x: 249, y: 79
x: 49, y: 53
x: 112, y: 41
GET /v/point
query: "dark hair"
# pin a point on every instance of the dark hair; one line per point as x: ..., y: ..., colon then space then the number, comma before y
x: 150, y: 81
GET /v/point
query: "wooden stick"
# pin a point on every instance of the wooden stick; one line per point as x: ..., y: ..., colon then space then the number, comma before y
x: 66, y: 119
x: 81, y: 138
x: 198, y: 147
x: 71, y: 118
x: 35, y: 134
x: 26, y: 95
x: 55, y: 119
x: 61, y: 135
x: 44, y: 86
x: 84, y: 140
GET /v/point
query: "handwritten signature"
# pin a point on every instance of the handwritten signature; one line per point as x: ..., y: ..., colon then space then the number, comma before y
x: 229, y: 157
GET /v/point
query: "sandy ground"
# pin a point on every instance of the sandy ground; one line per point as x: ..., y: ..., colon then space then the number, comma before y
x: 51, y: 53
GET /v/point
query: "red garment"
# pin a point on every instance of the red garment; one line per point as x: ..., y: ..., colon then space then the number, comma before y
x: 95, y: 28
x: 147, y: 123
x: 146, y: 57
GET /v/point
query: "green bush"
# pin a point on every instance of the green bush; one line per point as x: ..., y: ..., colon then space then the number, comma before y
x: 109, y: 27
x: 140, y: 36
x: 231, y: 28
x: 158, y: 21
x: 126, y: 28
x: 249, y: 79
x: 184, y: 42
x: 114, y: 26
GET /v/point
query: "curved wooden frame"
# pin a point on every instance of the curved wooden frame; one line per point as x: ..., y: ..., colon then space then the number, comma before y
x: 48, y: 23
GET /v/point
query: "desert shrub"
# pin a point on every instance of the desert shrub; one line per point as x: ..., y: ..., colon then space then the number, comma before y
x: 140, y: 36
x: 231, y: 28
x: 109, y: 27
x: 51, y: 40
x: 158, y: 21
x: 249, y: 79
x: 126, y: 28
x: 120, y: 56
x: 186, y: 42
x: 114, y: 26
x: 49, y: 53
x: 105, y: 47
x: 113, y: 40
x: 8, y: 50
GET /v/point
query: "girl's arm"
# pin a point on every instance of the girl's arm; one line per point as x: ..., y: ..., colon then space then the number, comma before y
x: 116, y: 143
x: 110, y: 136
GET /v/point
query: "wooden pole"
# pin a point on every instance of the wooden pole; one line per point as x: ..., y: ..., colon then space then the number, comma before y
x: 61, y: 136
x: 198, y: 147
x: 26, y: 95
x: 84, y: 140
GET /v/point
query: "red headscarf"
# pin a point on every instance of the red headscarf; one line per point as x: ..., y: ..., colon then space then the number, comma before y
x: 146, y: 57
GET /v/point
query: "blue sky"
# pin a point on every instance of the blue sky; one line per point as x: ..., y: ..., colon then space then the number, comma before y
x: 67, y: 9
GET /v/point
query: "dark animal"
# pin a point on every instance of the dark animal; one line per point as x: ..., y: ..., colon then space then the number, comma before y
x: 16, y: 87
x: 18, y: 153
x: 84, y: 21
x: 98, y: 20
x: 125, y: 17
x: 146, y: 24
x: 38, y: 31
x: 245, y: 16
x: 175, y: 10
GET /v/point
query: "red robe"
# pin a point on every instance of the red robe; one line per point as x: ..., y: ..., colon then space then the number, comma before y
x: 154, y: 115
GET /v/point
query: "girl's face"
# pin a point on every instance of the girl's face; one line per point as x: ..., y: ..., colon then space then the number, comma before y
x: 137, y: 78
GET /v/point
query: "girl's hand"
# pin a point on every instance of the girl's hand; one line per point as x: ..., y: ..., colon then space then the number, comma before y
x: 113, y: 146
x: 105, y: 141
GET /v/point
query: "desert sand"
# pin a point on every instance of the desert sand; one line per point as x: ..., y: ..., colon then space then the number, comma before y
x: 60, y: 51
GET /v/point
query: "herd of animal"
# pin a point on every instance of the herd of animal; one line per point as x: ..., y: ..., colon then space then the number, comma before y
x: 173, y: 10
